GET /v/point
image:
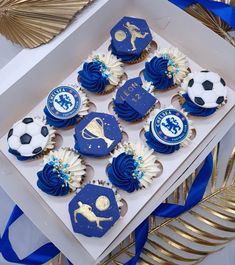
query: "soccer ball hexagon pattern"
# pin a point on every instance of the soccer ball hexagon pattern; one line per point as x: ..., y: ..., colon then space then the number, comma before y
x: 28, y: 137
x: 206, y: 89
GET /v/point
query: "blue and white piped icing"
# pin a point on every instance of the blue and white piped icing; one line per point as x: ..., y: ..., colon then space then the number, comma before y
x: 134, y: 100
x: 166, y: 68
x: 65, y: 106
x: 167, y: 130
x: 30, y: 137
x: 63, y: 172
x: 132, y: 167
x: 101, y: 72
x: 203, y: 92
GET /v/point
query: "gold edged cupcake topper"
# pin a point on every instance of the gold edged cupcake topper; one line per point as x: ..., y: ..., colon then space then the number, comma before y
x: 32, y: 23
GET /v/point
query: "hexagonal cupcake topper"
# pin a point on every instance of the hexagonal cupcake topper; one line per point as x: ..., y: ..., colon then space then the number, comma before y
x: 131, y: 35
x: 93, y: 214
x: 97, y: 134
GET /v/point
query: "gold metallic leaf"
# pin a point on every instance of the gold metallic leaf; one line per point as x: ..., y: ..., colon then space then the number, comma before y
x: 177, y: 240
x: 31, y: 23
x: 211, y: 21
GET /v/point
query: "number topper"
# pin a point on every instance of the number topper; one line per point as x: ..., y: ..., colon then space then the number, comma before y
x: 133, y: 93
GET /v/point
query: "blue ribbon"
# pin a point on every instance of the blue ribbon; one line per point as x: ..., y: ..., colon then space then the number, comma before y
x: 169, y: 210
x: 40, y: 256
x: 224, y: 11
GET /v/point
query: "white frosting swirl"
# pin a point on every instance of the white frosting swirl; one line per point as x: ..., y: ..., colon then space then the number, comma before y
x: 114, y: 65
x: 148, y: 163
x: 72, y: 165
x: 84, y: 109
x: 178, y: 63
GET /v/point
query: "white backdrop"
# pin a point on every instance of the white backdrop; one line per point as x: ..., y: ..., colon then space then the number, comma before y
x: 24, y: 231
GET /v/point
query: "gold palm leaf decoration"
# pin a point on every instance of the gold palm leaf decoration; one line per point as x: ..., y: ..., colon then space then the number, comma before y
x: 31, y: 23
x: 189, y: 238
x: 211, y: 21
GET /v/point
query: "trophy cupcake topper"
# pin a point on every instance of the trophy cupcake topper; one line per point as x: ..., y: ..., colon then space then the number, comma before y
x: 97, y: 134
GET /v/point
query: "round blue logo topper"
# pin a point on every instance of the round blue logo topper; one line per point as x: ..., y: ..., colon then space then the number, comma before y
x: 170, y: 126
x: 63, y: 102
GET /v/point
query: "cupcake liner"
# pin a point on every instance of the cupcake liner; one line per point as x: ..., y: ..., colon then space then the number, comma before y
x: 143, y: 56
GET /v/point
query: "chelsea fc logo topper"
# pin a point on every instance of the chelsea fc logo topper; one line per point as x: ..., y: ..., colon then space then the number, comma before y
x: 170, y: 126
x: 63, y: 102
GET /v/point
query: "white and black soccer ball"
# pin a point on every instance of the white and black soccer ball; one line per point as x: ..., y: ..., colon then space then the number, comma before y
x: 206, y: 89
x: 28, y: 137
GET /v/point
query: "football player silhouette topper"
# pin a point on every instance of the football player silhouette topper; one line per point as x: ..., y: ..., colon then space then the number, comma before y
x: 130, y: 37
x: 95, y: 214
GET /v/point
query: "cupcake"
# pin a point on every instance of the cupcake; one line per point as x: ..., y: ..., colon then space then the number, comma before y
x: 167, y: 130
x: 166, y: 68
x: 132, y: 167
x: 95, y: 214
x: 30, y: 137
x: 131, y: 39
x: 65, y: 106
x: 97, y: 134
x: 62, y: 173
x: 203, y: 93
x: 101, y: 73
x: 134, y: 100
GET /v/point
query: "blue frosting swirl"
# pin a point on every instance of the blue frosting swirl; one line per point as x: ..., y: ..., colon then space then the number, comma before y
x: 19, y: 156
x: 126, y: 112
x: 59, y: 123
x: 158, y: 146
x: 193, y: 109
x: 51, y: 183
x: 125, y: 57
x: 120, y: 173
x: 92, y: 78
x: 156, y: 72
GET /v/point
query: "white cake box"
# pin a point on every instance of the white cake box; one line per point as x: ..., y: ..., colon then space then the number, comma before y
x: 26, y: 80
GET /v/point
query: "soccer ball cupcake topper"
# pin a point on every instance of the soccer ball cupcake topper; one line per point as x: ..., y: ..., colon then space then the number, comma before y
x: 203, y: 92
x: 30, y: 137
